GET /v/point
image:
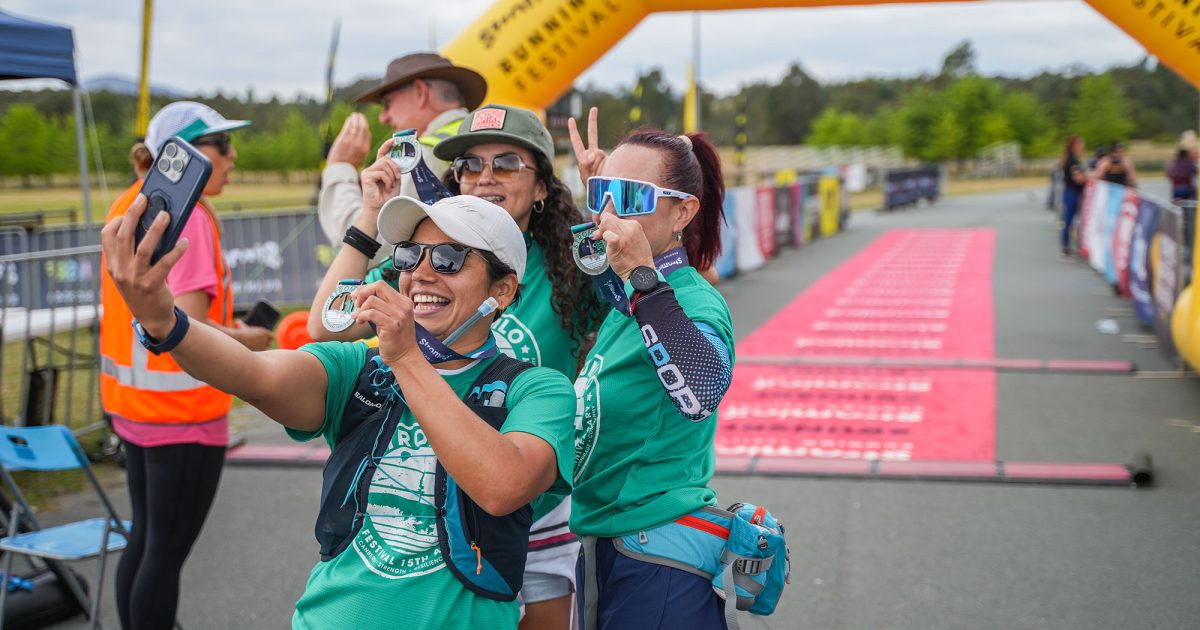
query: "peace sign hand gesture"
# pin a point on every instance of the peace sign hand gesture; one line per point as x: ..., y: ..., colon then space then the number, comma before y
x: 591, y: 157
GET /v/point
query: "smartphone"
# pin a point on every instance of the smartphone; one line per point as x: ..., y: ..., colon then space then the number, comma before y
x: 263, y: 314
x: 173, y: 185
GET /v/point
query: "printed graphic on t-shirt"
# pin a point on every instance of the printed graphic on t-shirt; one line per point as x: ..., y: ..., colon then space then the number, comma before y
x: 587, y: 412
x: 399, y: 535
x: 515, y: 339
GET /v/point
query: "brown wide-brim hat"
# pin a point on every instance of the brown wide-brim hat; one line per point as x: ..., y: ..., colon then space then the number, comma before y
x: 429, y: 66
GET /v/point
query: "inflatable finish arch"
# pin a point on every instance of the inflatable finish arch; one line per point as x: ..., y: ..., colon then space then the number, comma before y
x: 530, y: 51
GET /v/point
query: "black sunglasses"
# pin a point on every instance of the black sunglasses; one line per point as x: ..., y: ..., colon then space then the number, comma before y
x: 219, y: 140
x: 445, y: 258
x: 505, y: 167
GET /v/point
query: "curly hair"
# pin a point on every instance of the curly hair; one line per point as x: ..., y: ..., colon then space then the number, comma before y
x: 571, y: 294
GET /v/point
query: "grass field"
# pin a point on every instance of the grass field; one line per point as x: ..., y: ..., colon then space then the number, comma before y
x: 270, y: 196
x: 235, y: 197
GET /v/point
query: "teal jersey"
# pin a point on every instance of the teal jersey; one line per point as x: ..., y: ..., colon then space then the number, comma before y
x: 638, y: 462
x: 393, y: 574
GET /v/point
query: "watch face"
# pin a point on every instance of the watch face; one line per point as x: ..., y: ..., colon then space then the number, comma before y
x: 643, y: 279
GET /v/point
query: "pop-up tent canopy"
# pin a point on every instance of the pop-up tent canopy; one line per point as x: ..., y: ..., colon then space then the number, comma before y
x: 36, y: 50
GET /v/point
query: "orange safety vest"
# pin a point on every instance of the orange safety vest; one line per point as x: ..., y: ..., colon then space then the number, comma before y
x: 138, y: 385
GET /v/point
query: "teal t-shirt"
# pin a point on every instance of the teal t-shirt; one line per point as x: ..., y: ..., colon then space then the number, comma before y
x: 638, y: 462
x: 531, y: 331
x: 393, y: 575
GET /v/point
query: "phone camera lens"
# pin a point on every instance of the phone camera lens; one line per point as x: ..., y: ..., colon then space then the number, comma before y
x: 164, y: 165
x: 177, y: 164
x: 171, y: 150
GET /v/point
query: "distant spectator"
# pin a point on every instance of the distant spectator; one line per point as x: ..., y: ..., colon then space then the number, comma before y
x: 1073, y: 177
x: 1182, y: 173
x: 1116, y: 167
x: 1096, y: 157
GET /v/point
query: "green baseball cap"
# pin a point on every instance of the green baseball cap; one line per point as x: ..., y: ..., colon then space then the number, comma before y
x: 497, y: 124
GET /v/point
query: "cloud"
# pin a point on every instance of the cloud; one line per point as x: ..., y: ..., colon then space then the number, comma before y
x: 279, y: 46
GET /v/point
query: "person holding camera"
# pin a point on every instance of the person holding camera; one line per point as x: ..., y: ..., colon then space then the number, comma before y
x: 649, y: 389
x: 424, y: 91
x: 438, y: 446
x: 174, y: 428
x: 1116, y: 167
x: 503, y: 154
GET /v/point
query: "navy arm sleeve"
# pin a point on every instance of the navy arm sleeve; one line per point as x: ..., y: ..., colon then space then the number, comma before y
x: 692, y: 361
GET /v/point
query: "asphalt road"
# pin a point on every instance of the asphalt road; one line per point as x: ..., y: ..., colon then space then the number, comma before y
x: 867, y: 554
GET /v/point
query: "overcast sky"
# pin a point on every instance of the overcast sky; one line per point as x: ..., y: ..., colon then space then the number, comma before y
x: 279, y: 46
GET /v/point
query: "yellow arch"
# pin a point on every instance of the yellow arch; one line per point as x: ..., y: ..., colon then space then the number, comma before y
x: 530, y: 51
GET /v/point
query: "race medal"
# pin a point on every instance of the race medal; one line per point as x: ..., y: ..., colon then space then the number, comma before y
x: 590, y: 256
x: 338, y: 314
x: 405, y: 151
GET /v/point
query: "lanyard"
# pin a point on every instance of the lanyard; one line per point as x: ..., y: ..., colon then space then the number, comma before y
x: 437, y: 352
x: 429, y: 188
x: 611, y: 289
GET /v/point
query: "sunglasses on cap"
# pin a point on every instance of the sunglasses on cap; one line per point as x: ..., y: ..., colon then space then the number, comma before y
x: 219, y: 140
x: 505, y: 167
x: 630, y: 197
x: 445, y: 258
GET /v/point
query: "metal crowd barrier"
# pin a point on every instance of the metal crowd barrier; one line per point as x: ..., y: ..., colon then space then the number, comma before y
x: 49, y: 292
x: 50, y: 304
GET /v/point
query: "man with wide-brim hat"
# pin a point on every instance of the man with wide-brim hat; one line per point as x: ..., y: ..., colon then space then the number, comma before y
x: 421, y: 90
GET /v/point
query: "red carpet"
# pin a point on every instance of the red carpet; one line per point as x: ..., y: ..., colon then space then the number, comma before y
x: 913, y: 294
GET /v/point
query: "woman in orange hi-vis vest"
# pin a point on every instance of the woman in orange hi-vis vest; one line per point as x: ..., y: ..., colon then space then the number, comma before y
x: 175, y: 428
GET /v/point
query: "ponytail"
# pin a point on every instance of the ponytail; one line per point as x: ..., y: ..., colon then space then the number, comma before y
x: 691, y: 165
x: 141, y: 158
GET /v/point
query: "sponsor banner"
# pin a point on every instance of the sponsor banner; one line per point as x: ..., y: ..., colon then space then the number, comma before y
x: 764, y: 207
x: 911, y: 294
x: 749, y: 254
x: 799, y: 216
x: 783, y: 216
x: 726, y: 264
x: 1099, y: 231
x: 829, y: 190
x: 1085, y: 219
x: 13, y: 241
x: 1112, y: 213
x: 279, y: 257
x: 907, y: 186
x: 1123, y: 240
x: 1167, y: 259
x: 1140, y: 278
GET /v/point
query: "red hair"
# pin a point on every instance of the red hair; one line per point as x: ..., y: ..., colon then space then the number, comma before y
x: 692, y: 166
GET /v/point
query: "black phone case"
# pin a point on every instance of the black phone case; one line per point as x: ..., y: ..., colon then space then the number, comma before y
x: 174, y: 185
x: 263, y: 314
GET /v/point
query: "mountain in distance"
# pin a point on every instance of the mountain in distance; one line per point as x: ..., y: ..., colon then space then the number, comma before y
x: 119, y: 84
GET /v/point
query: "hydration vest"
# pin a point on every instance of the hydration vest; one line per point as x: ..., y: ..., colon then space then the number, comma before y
x: 485, y: 552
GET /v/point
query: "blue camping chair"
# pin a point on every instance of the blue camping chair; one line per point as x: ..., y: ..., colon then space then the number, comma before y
x: 54, y: 448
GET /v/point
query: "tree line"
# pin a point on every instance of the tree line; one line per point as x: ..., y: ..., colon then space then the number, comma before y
x: 951, y: 115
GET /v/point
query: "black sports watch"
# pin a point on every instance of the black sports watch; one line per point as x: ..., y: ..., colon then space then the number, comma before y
x: 644, y: 279
x: 173, y: 338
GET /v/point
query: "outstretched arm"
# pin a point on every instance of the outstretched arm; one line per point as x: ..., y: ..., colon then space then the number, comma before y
x: 267, y: 380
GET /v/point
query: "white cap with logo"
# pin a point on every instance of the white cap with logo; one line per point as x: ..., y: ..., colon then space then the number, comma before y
x: 188, y: 120
x: 465, y: 218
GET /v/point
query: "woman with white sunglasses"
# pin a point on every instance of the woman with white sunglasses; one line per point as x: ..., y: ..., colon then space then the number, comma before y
x: 649, y: 389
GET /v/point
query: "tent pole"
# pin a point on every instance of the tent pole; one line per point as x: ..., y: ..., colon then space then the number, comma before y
x: 81, y: 149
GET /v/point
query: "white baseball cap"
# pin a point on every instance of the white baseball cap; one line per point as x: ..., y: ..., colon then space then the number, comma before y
x: 188, y: 120
x: 465, y: 218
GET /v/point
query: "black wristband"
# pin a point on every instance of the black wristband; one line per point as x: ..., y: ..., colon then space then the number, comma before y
x: 359, y: 240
